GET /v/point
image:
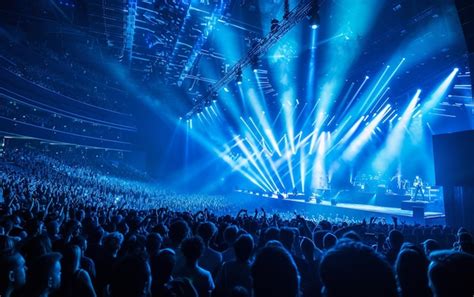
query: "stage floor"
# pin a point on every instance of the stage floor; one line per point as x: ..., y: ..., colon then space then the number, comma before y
x: 374, y: 208
x: 353, y: 209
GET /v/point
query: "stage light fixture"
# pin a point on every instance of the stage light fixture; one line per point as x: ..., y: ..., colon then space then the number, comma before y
x: 274, y: 25
x: 238, y: 76
x: 255, y: 64
x: 213, y: 97
x: 314, y: 18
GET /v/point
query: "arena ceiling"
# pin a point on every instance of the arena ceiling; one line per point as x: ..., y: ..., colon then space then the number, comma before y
x: 169, y: 44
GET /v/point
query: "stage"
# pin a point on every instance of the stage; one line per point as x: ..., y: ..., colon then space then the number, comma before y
x: 357, y: 210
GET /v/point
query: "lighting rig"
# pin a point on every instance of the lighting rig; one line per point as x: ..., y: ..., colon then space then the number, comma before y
x: 303, y: 10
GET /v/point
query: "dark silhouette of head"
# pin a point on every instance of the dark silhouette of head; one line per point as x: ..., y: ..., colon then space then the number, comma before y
x: 307, y: 248
x: 53, y: 228
x: 353, y: 269
x: 7, y: 245
x: 243, y: 247
x: 271, y: 233
x: 430, y: 245
x: 131, y: 278
x: 71, y: 259
x: 412, y: 273
x: 352, y: 236
x: 44, y: 275
x: 34, y: 227
x: 465, y: 243
x: 451, y: 273
x: 178, y: 231
x: 318, y: 237
x: 12, y: 273
x: 287, y: 237
x: 38, y: 246
x: 95, y: 235
x: 274, y: 273
x: 81, y: 242
x: 329, y: 241
x: 230, y: 234
x: 112, y: 243
x: 192, y: 249
x: 395, y: 239
x: 153, y: 243
x: 206, y: 230
x: 162, y: 266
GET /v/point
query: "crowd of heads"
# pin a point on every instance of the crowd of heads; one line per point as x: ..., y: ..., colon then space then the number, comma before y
x: 63, y: 232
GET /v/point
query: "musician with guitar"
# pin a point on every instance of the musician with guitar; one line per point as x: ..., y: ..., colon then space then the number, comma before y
x: 418, y: 184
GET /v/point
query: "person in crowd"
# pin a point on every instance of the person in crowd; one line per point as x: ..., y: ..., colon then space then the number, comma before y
x: 86, y: 263
x: 12, y: 274
x: 270, y: 234
x: 211, y: 260
x: 44, y: 276
x: 153, y: 244
x: 309, y: 271
x: 7, y: 245
x: 318, y: 238
x: 161, y: 271
x: 237, y: 273
x: 412, y: 273
x: 395, y: 241
x: 107, y: 259
x: 94, y: 243
x: 465, y: 243
x: 178, y: 231
x: 430, y: 245
x: 131, y: 277
x: 274, y: 273
x: 329, y: 241
x: 230, y: 235
x: 354, y: 269
x: 74, y: 280
x: 451, y: 273
x: 192, y: 249
x: 352, y: 236
x: 287, y: 238
x: 54, y: 232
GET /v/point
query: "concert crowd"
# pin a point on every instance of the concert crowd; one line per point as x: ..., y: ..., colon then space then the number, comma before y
x: 70, y: 226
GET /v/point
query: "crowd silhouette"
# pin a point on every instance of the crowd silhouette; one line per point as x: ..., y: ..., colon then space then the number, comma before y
x: 69, y: 229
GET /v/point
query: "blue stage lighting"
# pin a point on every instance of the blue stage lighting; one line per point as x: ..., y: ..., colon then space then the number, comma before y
x: 356, y: 146
x: 395, y: 139
x: 439, y: 94
x: 238, y: 76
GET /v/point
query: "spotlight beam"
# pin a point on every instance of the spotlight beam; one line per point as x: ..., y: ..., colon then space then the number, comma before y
x: 356, y: 146
x: 435, y: 98
x: 388, y: 80
x: 354, y: 96
x: 258, y: 155
x: 394, y: 141
x: 249, y: 156
x: 367, y: 99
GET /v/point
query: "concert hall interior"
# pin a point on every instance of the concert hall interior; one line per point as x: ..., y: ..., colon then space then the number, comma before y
x: 127, y: 116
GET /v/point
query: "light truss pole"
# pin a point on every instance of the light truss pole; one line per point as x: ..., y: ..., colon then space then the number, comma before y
x: 291, y: 19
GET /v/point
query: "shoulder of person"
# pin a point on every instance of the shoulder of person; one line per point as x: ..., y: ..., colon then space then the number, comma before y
x: 83, y: 275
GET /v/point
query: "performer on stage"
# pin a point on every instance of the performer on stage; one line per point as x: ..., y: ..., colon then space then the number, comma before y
x: 418, y: 184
